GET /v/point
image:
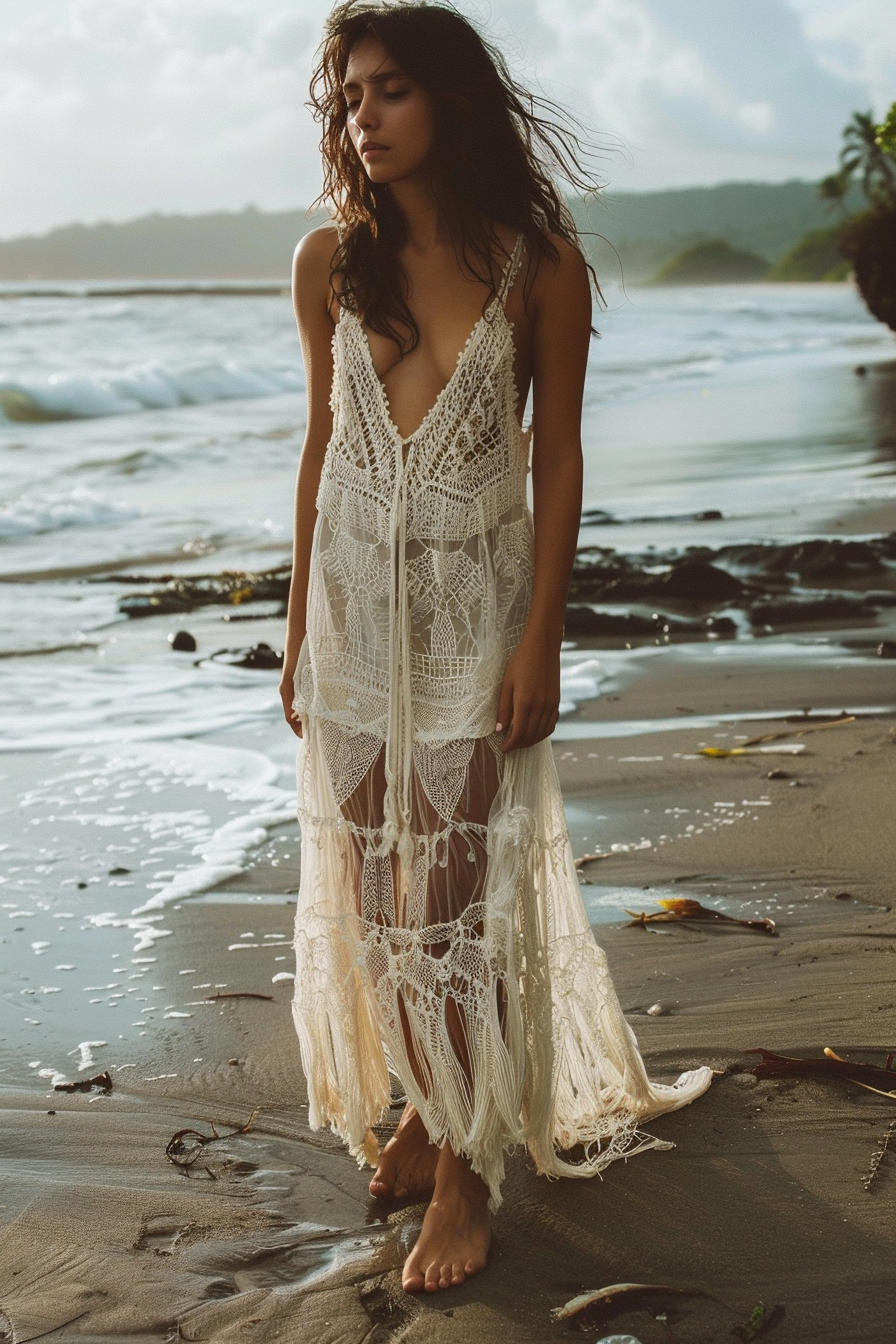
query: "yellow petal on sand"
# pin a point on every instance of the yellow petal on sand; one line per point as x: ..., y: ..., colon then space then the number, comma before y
x: 785, y: 749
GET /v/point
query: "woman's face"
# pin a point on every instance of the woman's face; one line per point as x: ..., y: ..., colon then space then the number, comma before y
x: 390, y: 116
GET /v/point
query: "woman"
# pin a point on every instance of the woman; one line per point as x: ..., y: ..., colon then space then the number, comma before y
x: 440, y: 933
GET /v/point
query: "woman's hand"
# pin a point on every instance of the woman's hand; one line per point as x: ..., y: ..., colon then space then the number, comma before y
x: 287, y: 693
x: 529, y: 703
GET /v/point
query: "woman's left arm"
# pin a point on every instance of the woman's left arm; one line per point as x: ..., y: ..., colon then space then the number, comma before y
x: 530, y: 692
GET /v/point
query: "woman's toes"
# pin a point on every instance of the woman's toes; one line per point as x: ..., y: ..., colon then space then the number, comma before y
x: 433, y: 1274
x: 457, y: 1274
x: 412, y: 1281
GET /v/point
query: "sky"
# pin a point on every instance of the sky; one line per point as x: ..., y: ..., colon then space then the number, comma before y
x: 111, y: 109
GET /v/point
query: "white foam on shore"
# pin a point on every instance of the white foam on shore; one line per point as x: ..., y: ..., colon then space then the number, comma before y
x: 85, y: 1050
x: 154, y: 700
x: 146, y: 935
x: 580, y: 678
x: 172, y: 850
x: 245, y: 777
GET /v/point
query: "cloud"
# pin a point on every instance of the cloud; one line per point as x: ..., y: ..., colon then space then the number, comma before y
x: 113, y: 108
x: 855, y: 41
x: 117, y: 107
x: 699, y: 92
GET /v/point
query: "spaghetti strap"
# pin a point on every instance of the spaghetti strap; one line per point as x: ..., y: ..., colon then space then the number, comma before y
x: 511, y: 267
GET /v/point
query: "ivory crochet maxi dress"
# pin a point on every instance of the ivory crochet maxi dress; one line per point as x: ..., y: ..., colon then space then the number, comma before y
x: 440, y: 931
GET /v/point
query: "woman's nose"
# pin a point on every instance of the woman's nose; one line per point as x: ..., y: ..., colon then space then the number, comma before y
x: 365, y: 115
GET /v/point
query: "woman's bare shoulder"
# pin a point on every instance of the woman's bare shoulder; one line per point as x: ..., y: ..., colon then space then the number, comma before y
x: 567, y: 265
x: 314, y: 251
x: 562, y: 288
x: 312, y: 266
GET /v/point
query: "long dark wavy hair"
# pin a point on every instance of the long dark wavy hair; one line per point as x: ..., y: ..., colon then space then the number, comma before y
x: 499, y: 151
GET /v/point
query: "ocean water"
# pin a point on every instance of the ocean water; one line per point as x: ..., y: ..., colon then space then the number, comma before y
x: 151, y: 435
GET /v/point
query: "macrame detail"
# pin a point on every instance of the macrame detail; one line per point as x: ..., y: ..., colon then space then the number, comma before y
x: 440, y: 932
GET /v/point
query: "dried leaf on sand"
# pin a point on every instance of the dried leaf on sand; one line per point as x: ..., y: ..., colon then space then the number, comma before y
x: 611, y: 1295
x: 870, y: 1076
x: 682, y: 907
x: 101, y: 1080
x: 591, y: 858
x: 754, y: 743
x: 237, y: 994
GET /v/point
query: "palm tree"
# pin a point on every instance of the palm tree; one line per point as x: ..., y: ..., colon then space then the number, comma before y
x: 867, y: 153
x: 886, y: 133
x: 868, y: 239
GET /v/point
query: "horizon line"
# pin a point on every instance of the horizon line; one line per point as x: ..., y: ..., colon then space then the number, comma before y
x: 308, y: 212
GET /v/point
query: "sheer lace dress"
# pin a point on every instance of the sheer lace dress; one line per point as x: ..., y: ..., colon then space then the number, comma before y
x: 440, y: 932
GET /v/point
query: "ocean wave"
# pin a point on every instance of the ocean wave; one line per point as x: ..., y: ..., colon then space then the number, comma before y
x: 15, y: 318
x: 86, y: 396
x: 34, y: 514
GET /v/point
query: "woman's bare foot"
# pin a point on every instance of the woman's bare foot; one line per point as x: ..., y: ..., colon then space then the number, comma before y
x: 407, y: 1165
x: 454, y: 1240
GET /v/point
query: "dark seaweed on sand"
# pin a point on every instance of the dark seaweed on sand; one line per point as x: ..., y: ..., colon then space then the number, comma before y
x: 773, y: 583
x: 186, y: 1145
x: 171, y: 594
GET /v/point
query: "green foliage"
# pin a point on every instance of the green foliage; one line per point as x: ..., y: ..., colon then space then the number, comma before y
x: 712, y: 262
x: 868, y: 239
x: 817, y: 256
x: 886, y: 133
x: 866, y: 157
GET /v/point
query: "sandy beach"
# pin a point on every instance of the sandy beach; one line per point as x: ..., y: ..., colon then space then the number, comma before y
x: 761, y: 1199
x: 271, y: 1234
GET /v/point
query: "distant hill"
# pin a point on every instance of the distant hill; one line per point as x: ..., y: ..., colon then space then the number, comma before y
x: 250, y: 245
x: 712, y: 263
x: 647, y: 229
x: 816, y: 256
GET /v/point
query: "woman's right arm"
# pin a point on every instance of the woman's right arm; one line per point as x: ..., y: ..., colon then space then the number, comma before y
x: 313, y: 302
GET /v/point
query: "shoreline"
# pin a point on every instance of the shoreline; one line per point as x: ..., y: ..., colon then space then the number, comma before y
x: 760, y: 1200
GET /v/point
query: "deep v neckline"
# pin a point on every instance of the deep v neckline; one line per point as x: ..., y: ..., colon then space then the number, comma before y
x: 498, y: 300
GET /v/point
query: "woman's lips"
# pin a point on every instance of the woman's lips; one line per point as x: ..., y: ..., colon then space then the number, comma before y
x: 373, y: 151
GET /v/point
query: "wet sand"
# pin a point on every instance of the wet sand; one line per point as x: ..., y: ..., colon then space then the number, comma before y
x: 761, y: 1199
